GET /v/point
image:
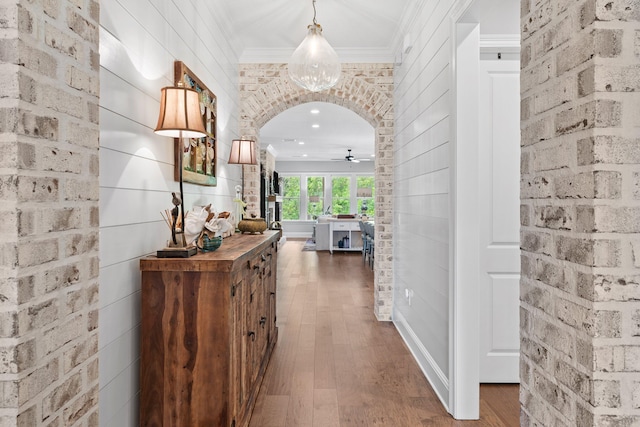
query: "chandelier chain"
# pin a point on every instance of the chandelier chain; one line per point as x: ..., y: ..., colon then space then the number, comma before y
x: 314, y: 12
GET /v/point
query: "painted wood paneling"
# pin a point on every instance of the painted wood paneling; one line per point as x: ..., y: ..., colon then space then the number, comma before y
x: 422, y: 192
x: 118, y: 279
x: 139, y: 40
x: 119, y: 395
x: 127, y: 353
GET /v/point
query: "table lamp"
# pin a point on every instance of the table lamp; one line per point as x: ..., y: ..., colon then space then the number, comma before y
x: 180, y: 117
x: 243, y: 152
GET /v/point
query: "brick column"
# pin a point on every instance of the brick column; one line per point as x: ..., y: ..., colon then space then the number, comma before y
x: 580, y: 213
x: 49, y: 134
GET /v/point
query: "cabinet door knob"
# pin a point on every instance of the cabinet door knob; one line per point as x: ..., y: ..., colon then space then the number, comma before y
x: 252, y: 335
x: 263, y: 320
x: 264, y: 258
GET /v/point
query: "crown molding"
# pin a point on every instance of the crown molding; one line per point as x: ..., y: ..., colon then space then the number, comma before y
x: 407, y: 24
x: 500, y: 43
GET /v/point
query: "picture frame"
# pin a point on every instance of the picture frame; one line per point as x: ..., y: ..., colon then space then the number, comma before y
x: 199, y: 155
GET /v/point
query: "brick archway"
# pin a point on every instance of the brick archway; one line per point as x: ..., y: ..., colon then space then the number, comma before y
x: 366, y: 89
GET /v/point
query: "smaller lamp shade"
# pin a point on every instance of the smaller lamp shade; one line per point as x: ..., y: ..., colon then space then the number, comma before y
x: 180, y: 114
x: 243, y: 152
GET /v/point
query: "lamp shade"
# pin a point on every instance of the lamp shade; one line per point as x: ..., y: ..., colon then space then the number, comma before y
x: 243, y: 152
x: 314, y: 65
x: 180, y: 113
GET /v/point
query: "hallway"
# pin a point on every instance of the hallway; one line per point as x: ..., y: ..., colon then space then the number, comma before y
x: 336, y: 365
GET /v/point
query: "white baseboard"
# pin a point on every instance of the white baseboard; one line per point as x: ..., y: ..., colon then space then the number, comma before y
x: 431, y: 370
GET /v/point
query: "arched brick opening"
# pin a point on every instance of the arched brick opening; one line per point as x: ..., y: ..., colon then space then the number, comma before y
x: 366, y: 89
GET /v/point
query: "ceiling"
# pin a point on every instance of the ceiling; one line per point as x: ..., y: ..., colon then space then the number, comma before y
x: 294, y: 138
x: 357, y: 29
x: 360, y: 31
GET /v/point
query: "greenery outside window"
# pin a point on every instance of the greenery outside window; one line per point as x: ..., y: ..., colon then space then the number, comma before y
x: 365, y: 195
x: 291, y: 198
x: 306, y: 197
x: 341, y: 195
x: 315, y: 196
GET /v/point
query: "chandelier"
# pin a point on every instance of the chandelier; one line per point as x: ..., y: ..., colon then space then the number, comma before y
x: 314, y: 65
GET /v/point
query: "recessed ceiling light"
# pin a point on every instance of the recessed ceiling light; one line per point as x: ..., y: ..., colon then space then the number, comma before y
x: 301, y: 143
x: 373, y: 155
x: 315, y: 126
x: 304, y: 155
x: 315, y: 111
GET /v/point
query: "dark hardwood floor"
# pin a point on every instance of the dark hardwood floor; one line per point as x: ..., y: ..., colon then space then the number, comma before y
x: 336, y: 365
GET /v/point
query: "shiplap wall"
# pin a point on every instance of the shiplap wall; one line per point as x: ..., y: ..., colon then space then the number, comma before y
x: 139, y: 40
x: 421, y: 191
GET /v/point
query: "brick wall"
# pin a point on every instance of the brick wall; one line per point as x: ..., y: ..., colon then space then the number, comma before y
x: 580, y: 213
x: 49, y: 206
x: 367, y: 89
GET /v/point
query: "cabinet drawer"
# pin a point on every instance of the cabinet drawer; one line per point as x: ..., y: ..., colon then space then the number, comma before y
x: 346, y: 226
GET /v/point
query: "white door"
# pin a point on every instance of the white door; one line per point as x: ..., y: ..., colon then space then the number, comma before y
x: 499, y: 216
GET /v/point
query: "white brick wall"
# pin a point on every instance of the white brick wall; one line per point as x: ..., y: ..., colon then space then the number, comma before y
x: 48, y: 274
x: 367, y: 89
x: 579, y: 213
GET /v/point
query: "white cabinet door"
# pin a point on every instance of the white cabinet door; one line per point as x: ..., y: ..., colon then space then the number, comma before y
x: 499, y: 220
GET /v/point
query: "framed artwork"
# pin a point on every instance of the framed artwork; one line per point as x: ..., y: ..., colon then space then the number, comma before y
x: 199, y: 155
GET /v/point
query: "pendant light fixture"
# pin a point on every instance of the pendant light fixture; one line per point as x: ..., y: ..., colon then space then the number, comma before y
x: 314, y: 65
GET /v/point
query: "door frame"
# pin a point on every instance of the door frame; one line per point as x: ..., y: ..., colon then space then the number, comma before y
x: 466, y: 46
x: 464, y: 390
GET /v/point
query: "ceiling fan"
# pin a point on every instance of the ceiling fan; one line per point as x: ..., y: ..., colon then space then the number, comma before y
x: 351, y: 158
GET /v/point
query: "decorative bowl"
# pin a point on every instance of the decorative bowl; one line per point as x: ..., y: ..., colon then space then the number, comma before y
x: 252, y: 225
x: 210, y: 244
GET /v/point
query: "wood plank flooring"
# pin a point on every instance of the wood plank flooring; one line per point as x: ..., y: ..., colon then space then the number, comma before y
x: 336, y: 365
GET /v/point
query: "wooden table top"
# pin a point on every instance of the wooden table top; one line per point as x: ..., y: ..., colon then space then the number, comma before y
x: 234, y: 249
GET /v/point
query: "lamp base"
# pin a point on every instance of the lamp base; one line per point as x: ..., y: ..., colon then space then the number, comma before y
x: 177, y: 252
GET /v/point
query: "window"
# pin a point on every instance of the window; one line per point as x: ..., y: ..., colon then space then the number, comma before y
x: 315, y: 194
x: 307, y: 196
x: 341, y: 195
x: 291, y: 198
x: 365, y: 195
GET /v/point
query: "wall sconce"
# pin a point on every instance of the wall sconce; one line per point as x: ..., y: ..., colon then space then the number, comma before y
x: 179, y: 117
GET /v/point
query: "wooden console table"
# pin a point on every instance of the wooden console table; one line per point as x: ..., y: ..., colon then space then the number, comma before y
x: 208, y: 329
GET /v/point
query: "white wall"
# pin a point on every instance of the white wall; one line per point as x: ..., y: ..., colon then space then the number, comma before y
x: 425, y: 170
x: 421, y: 192
x: 139, y: 40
